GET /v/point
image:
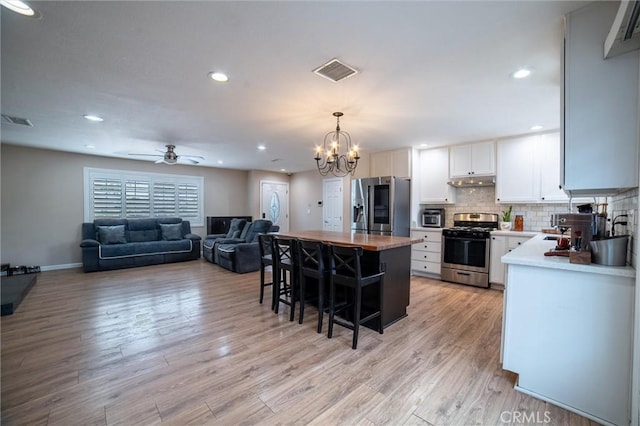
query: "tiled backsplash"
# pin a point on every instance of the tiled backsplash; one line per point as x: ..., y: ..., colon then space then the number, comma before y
x: 482, y: 200
x: 626, y: 203
x: 537, y: 215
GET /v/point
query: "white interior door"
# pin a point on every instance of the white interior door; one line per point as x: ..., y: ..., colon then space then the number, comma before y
x: 274, y: 203
x: 332, y: 205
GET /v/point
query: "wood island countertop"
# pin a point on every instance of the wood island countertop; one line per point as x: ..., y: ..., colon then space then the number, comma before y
x: 349, y: 239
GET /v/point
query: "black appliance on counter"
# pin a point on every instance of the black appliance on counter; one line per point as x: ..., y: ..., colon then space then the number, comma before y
x: 466, y: 247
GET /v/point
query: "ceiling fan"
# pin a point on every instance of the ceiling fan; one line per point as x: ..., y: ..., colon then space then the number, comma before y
x: 170, y: 157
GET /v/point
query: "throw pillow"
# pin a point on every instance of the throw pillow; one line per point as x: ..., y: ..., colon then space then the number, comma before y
x: 112, y: 234
x: 171, y: 232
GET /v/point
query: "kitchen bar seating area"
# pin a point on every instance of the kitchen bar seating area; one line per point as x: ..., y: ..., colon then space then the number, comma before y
x: 363, y: 278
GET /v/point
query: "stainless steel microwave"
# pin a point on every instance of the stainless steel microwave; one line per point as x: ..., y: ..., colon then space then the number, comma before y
x: 433, y: 218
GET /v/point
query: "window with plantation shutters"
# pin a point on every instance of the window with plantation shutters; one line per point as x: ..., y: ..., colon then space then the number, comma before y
x: 137, y: 198
x: 107, y: 197
x: 187, y: 200
x: 164, y: 198
x: 126, y: 194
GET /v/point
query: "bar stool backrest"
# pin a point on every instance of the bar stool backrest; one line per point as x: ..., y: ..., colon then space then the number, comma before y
x: 345, y: 262
x: 311, y: 257
x: 265, y: 242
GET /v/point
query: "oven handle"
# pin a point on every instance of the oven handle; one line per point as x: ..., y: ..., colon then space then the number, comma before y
x: 465, y: 238
x: 463, y: 273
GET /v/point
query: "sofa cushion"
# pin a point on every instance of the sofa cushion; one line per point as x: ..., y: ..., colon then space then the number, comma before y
x: 235, y: 228
x: 260, y: 226
x: 142, y: 236
x: 145, y: 248
x: 171, y: 232
x: 111, y: 234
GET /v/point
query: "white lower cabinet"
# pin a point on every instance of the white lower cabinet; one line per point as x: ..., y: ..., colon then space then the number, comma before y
x: 501, y: 245
x: 426, y: 255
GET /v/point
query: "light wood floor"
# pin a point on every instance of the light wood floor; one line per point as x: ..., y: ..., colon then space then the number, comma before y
x: 188, y: 343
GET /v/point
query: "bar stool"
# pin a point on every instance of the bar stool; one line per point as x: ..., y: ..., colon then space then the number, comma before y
x: 264, y: 243
x: 284, y: 260
x: 346, y: 272
x: 310, y: 256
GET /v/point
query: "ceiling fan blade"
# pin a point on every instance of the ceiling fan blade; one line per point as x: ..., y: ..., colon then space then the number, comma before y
x: 145, y: 155
x: 189, y: 160
x: 160, y: 161
x: 193, y: 156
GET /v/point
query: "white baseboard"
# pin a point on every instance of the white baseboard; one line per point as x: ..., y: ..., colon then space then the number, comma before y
x: 64, y: 266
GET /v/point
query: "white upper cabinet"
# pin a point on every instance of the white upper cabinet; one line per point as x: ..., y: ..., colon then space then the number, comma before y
x: 529, y: 170
x: 432, y: 177
x: 549, y: 155
x: 518, y: 177
x: 600, y: 98
x: 391, y: 163
x: 476, y: 159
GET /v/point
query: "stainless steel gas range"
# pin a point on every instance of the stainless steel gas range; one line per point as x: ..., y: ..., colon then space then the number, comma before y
x: 465, y: 248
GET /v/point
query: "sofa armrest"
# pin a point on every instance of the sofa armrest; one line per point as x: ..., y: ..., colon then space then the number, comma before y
x: 89, y: 243
x: 193, y: 237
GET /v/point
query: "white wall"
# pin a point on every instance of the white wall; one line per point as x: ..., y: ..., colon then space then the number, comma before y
x: 306, y: 191
x: 42, y: 200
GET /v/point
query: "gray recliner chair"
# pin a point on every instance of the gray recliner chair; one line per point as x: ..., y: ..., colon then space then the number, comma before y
x: 234, y: 234
x: 243, y: 256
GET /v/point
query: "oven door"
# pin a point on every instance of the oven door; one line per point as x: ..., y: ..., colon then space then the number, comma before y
x: 469, y: 254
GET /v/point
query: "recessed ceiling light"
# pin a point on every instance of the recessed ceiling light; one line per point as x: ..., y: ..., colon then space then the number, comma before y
x: 20, y: 7
x: 262, y: 147
x: 90, y: 146
x: 93, y: 117
x: 218, y: 76
x: 424, y: 145
x: 283, y: 170
x: 536, y: 127
x: 521, y: 73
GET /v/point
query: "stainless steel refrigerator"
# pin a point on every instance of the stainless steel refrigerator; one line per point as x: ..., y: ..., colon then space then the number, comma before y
x: 381, y: 205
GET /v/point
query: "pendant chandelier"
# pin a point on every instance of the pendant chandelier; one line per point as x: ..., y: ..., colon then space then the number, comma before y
x: 329, y: 158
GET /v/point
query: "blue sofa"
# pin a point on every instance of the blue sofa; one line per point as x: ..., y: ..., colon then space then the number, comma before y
x: 242, y: 253
x: 125, y: 243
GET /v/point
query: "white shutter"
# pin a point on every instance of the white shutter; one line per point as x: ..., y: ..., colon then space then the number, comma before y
x: 106, y: 196
x: 188, y: 200
x: 164, y: 199
x: 137, y: 198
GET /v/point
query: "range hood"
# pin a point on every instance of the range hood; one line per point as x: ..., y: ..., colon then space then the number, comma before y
x: 624, y: 35
x: 477, y: 181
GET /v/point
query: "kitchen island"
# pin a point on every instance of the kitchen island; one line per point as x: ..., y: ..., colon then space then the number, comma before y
x: 393, y: 252
x: 568, y: 331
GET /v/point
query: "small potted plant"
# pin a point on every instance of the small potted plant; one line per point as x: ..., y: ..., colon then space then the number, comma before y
x: 505, y: 223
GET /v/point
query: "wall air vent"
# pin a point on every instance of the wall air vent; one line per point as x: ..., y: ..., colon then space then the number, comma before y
x: 335, y: 70
x: 16, y: 120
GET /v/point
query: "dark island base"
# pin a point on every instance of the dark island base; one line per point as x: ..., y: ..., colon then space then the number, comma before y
x: 13, y: 289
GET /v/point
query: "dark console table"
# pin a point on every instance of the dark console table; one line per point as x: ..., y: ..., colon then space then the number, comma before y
x: 220, y: 224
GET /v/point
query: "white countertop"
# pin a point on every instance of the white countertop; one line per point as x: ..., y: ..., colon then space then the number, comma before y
x: 512, y: 233
x: 531, y: 253
x: 426, y: 228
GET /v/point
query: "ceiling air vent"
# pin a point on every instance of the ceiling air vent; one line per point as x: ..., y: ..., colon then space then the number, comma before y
x: 335, y: 70
x: 16, y: 120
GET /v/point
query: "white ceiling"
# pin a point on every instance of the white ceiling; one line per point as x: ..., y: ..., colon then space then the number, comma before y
x: 430, y: 72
